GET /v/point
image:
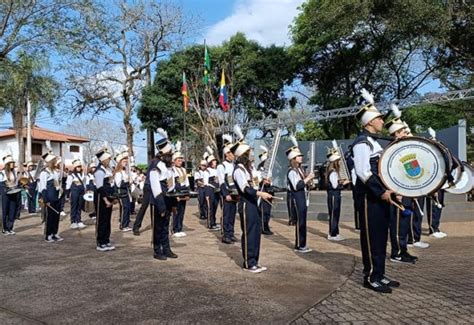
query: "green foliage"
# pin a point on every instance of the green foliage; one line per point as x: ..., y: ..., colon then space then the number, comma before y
x: 312, y: 131
x: 255, y: 78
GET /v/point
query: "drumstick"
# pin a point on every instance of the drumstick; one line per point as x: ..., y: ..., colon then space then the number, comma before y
x: 54, y: 210
x: 277, y: 198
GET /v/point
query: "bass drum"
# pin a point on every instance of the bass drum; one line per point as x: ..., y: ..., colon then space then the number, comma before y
x: 413, y: 167
x: 464, y: 180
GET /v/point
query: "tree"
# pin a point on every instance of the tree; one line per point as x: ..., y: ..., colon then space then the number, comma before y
x: 391, y: 48
x: 30, y: 24
x: 26, y: 80
x: 255, y: 77
x: 94, y: 131
x: 113, y: 48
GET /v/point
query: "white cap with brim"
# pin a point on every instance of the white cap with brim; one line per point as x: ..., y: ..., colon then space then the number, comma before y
x: 48, y: 157
x: 210, y: 158
x: 121, y: 156
x: 103, y: 155
x: 367, y: 114
x: 227, y: 148
x: 29, y: 163
x: 241, y: 149
x: 77, y: 163
x: 203, y: 163
x: 8, y: 159
x: 177, y: 155
x: 264, y: 156
x: 395, y: 125
x: 92, y: 165
x: 293, y: 152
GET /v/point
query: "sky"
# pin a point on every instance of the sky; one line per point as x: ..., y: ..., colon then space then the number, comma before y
x: 265, y: 21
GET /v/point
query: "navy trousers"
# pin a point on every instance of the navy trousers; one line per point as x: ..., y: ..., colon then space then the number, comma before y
x: 52, y: 218
x: 334, y: 210
x: 33, y: 193
x: 145, y: 203
x: 301, y: 211
x: 291, y: 208
x: 160, y: 226
x: 374, y: 223
x: 434, y: 213
x: 414, y: 234
x: 77, y: 202
x: 251, y: 233
x: 212, y: 202
x: 103, y: 227
x: 202, y: 202
x: 266, y: 212
x: 229, y: 211
x: 356, y: 203
x: 399, y: 228
x: 178, y: 216
x: 125, y: 207
x: 9, y: 209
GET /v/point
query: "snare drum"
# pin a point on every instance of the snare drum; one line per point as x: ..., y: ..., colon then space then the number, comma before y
x: 413, y: 167
x: 13, y: 191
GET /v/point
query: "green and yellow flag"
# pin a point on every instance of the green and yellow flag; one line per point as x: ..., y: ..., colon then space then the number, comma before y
x: 207, y: 65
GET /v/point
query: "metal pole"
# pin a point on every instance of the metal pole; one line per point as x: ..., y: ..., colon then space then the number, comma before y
x: 28, y: 131
x: 185, y: 141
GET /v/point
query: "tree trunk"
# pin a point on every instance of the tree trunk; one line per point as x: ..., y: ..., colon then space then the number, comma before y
x: 128, y: 126
x: 18, y: 125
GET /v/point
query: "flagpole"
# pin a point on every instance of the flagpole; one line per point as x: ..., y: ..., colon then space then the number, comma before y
x: 185, y: 141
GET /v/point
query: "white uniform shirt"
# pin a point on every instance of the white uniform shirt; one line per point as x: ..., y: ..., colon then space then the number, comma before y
x: 90, y: 177
x: 73, y: 178
x: 294, y: 177
x: 334, y: 179
x: 242, y: 177
x: 362, y: 155
x: 46, y: 175
x: 100, y: 176
x: 121, y: 177
x: 179, y: 172
x: 161, y: 173
x: 208, y: 173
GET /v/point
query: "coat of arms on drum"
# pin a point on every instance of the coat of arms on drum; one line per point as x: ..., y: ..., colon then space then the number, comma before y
x: 411, y: 165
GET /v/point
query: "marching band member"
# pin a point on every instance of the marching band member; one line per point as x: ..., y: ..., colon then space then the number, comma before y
x: 181, y: 185
x: 400, y: 220
x: 375, y: 205
x: 297, y: 185
x: 76, y: 189
x: 334, y: 187
x: 350, y: 166
x: 249, y: 214
x: 104, y: 180
x: 122, y: 183
x: 32, y: 187
x: 199, y: 184
x: 225, y: 172
x: 50, y: 188
x: 90, y: 185
x: 212, y: 190
x: 8, y: 182
x: 265, y: 186
x: 161, y: 182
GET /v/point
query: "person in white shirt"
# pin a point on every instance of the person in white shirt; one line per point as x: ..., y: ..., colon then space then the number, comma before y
x: 76, y: 188
x: 250, y: 218
x: 49, y: 187
x: 91, y: 186
x: 10, y: 194
x: 122, y: 183
x: 334, y: 187
x: 104, y: 200
x: 32, y: 187
x: 211, y: 184
x: 161, y: 183
x: 181, y: 185
x: 199, y: 185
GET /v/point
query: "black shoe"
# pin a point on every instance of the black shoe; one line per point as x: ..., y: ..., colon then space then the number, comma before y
x: 267, y: 232
x: 136, y: 232
x: 291, y: 223
x: 377, y: 286
x: 408, y: 255
x: 202, y: 218
x: 170, y: 254
x: 233, y: 238
x: 226, y: 240
x: 160, y: 257
x: 390, y: 283
x: 402, y: 259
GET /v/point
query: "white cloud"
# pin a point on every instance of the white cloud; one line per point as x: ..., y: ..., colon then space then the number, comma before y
x: 265, y: 21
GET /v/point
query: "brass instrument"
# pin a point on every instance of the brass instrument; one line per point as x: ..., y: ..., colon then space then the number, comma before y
x: 310, y: 185
x: 344, y: 173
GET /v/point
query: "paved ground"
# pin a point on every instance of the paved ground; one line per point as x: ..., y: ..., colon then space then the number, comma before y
x: 69, y: 282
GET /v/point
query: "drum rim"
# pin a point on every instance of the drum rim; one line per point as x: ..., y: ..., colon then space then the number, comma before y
x: 405, y: 139
x: 465, y: 166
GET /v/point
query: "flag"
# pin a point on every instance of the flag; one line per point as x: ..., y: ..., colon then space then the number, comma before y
x: 184, y: 92
x: 223, y: 99
x: 207, y: 65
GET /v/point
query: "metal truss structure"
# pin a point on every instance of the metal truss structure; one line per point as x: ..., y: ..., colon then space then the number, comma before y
x: 286, y: 118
